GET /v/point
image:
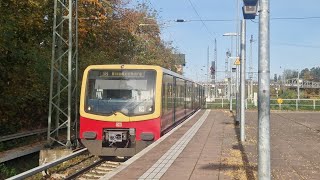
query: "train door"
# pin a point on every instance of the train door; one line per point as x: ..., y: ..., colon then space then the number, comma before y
x: 167, y: 118
x: 179, y: 99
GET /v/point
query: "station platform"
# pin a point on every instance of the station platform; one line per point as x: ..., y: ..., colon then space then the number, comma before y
x: 198, y: 149
x: 207, y: 146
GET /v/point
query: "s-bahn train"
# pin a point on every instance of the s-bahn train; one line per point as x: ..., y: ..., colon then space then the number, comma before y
x: 124, y: 108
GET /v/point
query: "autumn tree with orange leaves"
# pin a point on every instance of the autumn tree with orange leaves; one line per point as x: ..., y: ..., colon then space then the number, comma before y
x: 109, y: 33
x: 121, y: 35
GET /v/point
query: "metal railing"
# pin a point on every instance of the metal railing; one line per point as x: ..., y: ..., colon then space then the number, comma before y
x: 47, y: 166
x: 23, y: 134
x: 290, y: 83
x: 287, y: 104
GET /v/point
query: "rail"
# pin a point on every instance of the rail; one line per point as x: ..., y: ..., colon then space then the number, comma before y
x: 23, y: 134
x: 47, y: 166
x: 287, y: 104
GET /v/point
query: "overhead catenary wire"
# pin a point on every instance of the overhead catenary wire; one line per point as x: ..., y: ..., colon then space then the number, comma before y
x: 230, y: 20
x: 122, y: 14
x: 214, y: 20
x: 171, y: 36
x: 297, y: 45
x: 204, y: 24
x: 294, y: 18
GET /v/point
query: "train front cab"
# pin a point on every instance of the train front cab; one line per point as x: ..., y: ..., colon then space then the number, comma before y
x: 134, y: 132
x: 175, y: 99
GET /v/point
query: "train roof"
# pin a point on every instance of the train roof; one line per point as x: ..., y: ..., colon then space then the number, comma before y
x: 132, y: 66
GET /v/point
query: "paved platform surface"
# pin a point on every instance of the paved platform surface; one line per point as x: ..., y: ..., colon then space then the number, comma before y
x: 208, y: 147
x: 295, y: 144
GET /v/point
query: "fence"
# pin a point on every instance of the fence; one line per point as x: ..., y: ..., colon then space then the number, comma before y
x: 287, y: 104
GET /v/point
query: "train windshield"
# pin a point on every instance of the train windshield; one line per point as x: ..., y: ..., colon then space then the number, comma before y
x: 130, y: 92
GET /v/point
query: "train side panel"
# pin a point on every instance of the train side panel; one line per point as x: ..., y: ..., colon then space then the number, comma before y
x: 180, y: 98
x: 167, y: 102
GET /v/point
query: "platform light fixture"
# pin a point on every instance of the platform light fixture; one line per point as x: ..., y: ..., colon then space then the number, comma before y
x: 250, y: 9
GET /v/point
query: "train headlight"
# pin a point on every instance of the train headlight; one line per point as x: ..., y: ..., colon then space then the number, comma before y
x: 147, y: 136
x: 89, y: 135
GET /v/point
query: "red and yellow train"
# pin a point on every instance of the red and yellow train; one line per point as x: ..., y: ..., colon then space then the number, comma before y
x: 124, y: 108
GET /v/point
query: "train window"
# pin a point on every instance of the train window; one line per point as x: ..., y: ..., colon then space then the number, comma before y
x: 167, y: 97
x: 130, y: 92
x: 180, y: 93
x: 189, y: 92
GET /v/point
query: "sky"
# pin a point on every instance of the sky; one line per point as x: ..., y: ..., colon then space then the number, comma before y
x: 294, y: 44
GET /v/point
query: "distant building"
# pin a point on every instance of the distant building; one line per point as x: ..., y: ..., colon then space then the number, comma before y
x: 180, y: 62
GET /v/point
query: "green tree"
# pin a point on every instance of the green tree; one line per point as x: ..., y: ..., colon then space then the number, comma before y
x: 24, y: 53
x: 315, y: 72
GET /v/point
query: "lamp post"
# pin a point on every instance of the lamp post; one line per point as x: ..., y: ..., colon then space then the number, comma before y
x: 227, y: 91
x: 229, y: 54
x: 231, y: 34
x: 242, y: 79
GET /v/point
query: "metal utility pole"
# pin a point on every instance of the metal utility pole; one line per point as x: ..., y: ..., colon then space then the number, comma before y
x: 63, y: 101
x: 238, y: 69
x: 237, y: 28
x: 226, y: 76
x: 237, y: 94
x: 298, y: 85
x: 250, y: 94
x: 207, y: 86
x: 243, y: 80
x: 231, y: 90
x: 231, y: 87
x: 264, y: 169
x: 215, y: 67
x: 212, y: 80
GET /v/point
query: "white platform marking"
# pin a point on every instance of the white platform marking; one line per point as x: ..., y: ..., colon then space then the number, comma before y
x: 144, y: 151
x: 163, y: 164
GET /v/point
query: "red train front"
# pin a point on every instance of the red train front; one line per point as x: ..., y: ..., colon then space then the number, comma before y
x: 121, y: 108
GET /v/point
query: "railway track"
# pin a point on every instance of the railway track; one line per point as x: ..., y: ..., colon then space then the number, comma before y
x: 78, y: 165
x: 96, y: 170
